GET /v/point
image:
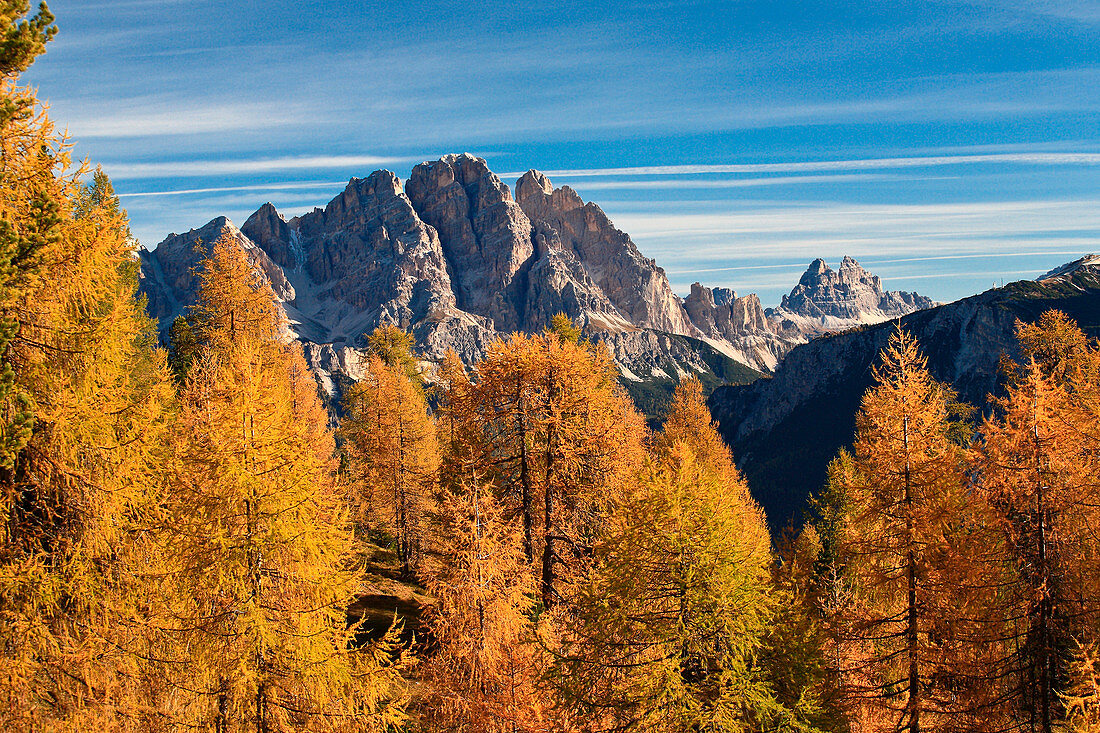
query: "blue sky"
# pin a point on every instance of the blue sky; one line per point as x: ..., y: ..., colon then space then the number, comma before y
x: 946, y: 144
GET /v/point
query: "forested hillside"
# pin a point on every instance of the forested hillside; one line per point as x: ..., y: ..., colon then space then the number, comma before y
x: 785, y: 430
x: 189, y: 545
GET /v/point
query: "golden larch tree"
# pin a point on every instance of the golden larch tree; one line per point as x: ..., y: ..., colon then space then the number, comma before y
x: 668, y: 627
x: 919, y: 631
x: 1037, y: 461
x: 82, y: 410
x: 256, y: 538
x: 546, y: 423
x: 667, y: 631
x: 1082, y: 698
x: 390, y: 439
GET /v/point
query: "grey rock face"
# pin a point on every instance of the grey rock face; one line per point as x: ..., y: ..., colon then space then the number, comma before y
x: 364, y: 260
x: 647, y: 354
x: 848, y: 293
x: 722, y: 296
x: 269, y: 231
x: 740, y: 322
x: 721, y: 314
x: 823, y: 301
x: 785, y: 430
x: 369, y: 249
x: 486, y: 237
x: 634, y: 284
x: 558, y: 282
x: 455, y: 259
x: 169, y: 273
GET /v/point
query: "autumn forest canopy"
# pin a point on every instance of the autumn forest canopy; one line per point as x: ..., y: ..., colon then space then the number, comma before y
x: 191, y: 541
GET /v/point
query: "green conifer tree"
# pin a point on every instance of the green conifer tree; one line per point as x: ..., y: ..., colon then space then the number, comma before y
x: 668, y: 633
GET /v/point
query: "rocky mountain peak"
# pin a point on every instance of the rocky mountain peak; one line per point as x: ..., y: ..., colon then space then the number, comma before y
x: 1089, y: 261
x: 168, y: 273
x: 739, y: 322
x: 266, y: 210
x: 485, y: 235
x: 635, y: 285
x: 814, y: 272
x: 704, y: 296
x: 723, y: 296
x: 531, y: 182
x: 458, y: 261
x: 849, y: 293
x: 267, y: 229
x: 379, y: 189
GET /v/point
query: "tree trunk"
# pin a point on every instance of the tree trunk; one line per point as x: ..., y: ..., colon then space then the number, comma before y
x: 1045, y: 652
x: 524, y: 477
x: 911, y: 575
x: 548, y: 501
x: 548, y: 509
x: 221, y: 718
x: 401, y: 500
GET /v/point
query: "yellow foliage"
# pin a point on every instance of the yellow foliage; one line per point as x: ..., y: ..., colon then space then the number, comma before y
x: 256, y: 541
x: 235, y: 303
x: 667, y: 629
x: 1082, y: 701
x: 394, y: 454
x: 689, y: 423
x: 545, y: 422
x: 76, y: 494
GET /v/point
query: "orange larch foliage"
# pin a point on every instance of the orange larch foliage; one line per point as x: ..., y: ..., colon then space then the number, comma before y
x: 918, y: 634
x: 545, y: 422
x: 1037, y: 461
x: 485, y: 674
x: 394, y: 455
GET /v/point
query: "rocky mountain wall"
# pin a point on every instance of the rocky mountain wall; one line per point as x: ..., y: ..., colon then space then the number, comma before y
x: 452, y: 257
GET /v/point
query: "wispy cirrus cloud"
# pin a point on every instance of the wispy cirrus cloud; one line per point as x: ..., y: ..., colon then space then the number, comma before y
x: 929, y: 161
x: 251, y: 166
x: 881, y: 261
x: 823, y: 222
x: 663, y: 185
x: 1083, y: 11
x: 300, y: 186
x: 163, y: 117
x: 1003, y: 274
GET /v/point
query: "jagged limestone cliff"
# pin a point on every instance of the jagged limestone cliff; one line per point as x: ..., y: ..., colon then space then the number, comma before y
x: 453, y: 257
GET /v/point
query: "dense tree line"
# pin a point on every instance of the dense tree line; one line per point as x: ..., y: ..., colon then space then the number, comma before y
x: 184, y: 534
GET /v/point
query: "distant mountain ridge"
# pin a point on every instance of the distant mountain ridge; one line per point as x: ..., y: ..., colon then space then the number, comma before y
x: 784, y: 430
x: 454, y: 258
x: 826, y: 300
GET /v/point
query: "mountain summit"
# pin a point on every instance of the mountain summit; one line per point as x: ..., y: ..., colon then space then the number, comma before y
x: 827, y: 299
x: 453, y: 257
